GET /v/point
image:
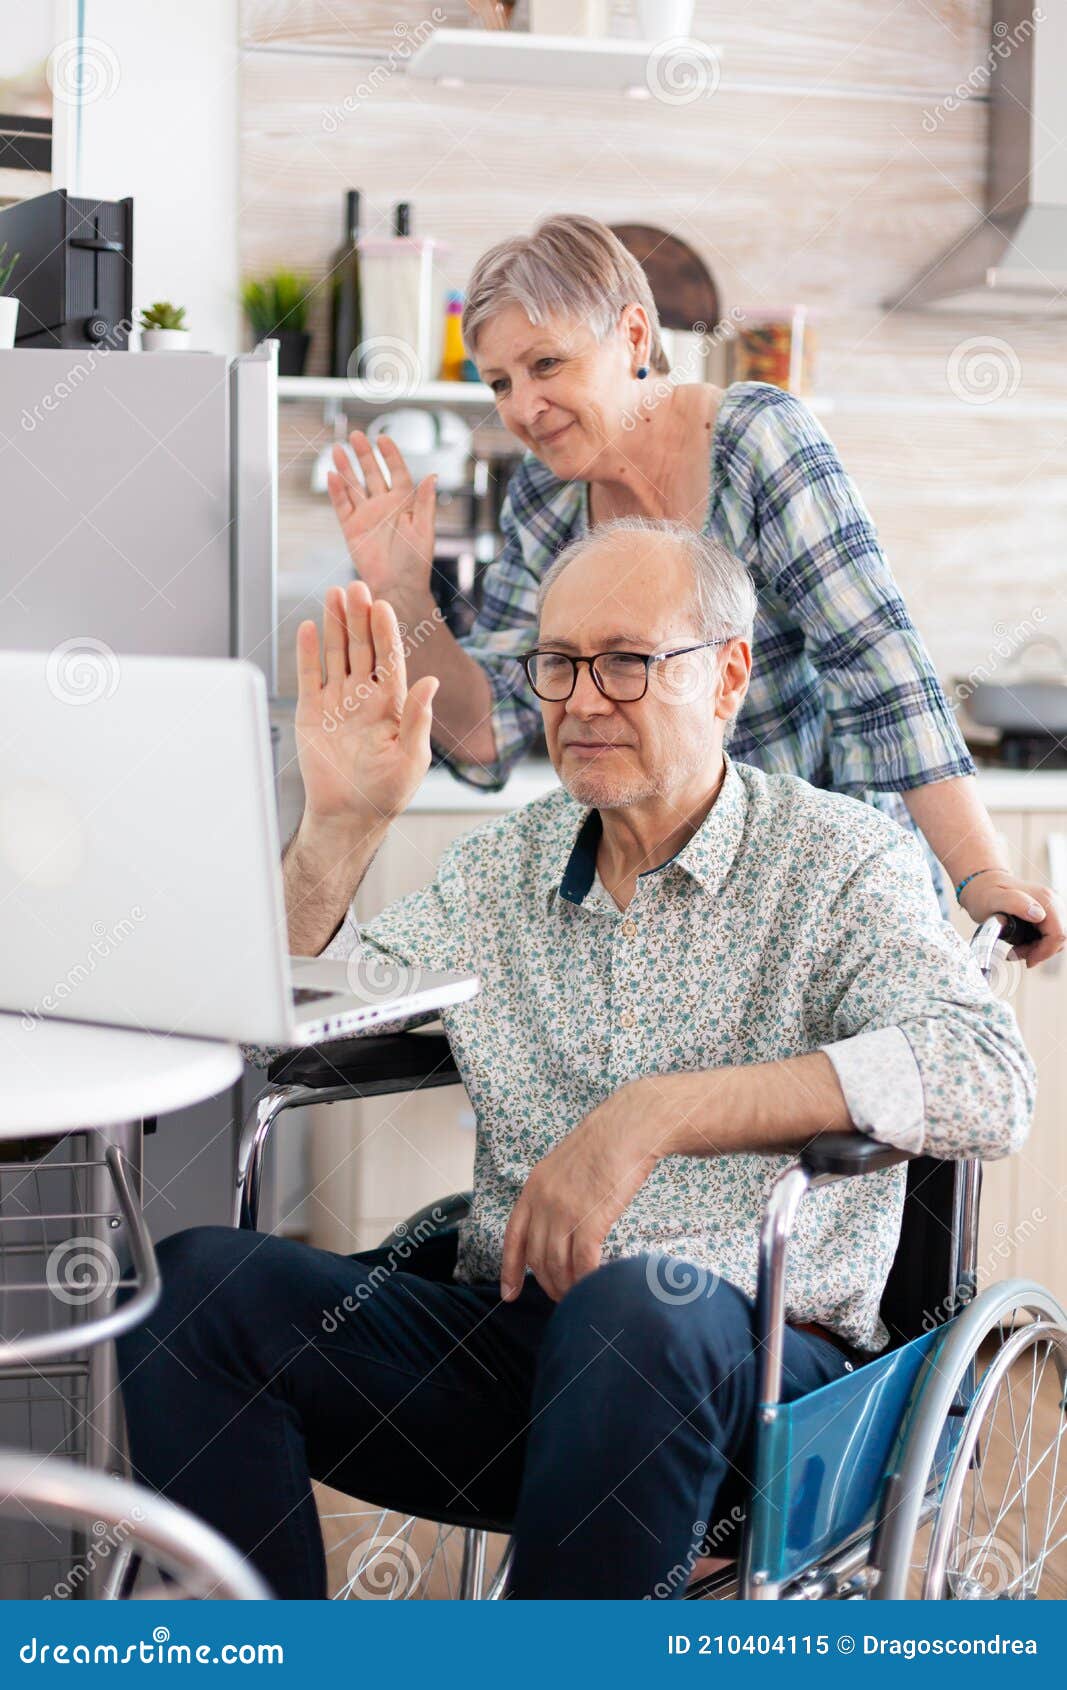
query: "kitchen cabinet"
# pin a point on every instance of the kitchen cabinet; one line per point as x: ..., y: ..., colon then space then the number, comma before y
x: 1022, y: 1196
x: 375, y: 1162
x: 1041, y: 1168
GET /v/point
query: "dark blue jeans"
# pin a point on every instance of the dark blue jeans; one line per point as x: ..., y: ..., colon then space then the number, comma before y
x: 612, y: 1429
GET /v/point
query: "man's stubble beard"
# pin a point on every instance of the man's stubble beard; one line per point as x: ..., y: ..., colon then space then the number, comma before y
x: 601, y: 792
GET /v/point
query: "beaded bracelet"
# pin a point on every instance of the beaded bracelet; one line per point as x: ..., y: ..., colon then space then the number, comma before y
x: 968, y: 878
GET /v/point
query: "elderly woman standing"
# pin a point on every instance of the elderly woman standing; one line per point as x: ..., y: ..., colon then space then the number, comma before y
x: 563, y: 328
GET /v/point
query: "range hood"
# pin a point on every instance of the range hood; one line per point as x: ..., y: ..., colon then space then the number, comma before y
x: 1016, y: 258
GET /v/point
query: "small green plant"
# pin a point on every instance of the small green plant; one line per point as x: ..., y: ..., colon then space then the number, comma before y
x: 6, y: 269
x: 163, y: 315
x: 276, y: 302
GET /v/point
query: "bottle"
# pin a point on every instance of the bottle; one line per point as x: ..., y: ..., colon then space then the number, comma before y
x: 454, y: 356
x: 347, y: 292
x: 403, y: 309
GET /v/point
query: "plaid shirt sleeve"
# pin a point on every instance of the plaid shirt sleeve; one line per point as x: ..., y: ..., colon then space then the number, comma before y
x: 816, y: 550
x: 534, y: 529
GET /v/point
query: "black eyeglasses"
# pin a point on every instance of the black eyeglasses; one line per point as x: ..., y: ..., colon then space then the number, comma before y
x: 621, y: 676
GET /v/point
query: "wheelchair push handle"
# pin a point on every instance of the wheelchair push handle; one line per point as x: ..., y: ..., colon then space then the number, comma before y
x: 1015, y: 931
x: 1011, y: 929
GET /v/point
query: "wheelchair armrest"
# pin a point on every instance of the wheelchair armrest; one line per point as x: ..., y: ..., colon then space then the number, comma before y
x: 433, y: 1220
x: 855, y: 1153
x: 369, y: 1067
x: 849, y: 1153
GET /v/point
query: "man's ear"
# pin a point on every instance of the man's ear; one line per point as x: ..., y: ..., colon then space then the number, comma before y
x: 735, y: 672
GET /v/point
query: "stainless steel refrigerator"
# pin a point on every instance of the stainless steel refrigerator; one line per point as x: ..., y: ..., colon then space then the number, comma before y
x: 139, y: 497
x: 138, y: 511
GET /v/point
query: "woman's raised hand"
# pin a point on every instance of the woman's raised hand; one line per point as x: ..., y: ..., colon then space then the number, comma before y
x: 362, y: 737
x: 389, y: 530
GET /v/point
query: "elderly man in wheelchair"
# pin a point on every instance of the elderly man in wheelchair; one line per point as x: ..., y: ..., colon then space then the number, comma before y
x: 719, y: 1014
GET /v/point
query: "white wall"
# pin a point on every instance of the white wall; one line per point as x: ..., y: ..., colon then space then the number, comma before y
x: 158, y: 105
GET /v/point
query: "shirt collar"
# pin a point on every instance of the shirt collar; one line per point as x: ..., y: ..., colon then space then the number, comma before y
x: 707, y: 857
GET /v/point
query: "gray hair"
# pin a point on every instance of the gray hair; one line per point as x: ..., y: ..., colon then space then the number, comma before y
x: 724, y: 596
x: 572, y: 267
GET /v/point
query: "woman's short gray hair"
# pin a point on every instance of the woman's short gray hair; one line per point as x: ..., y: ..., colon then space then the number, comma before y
x: 724, y: 595
x: 571, y: 267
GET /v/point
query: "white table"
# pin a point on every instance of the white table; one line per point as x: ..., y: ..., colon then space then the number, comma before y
x: 64, y: 1077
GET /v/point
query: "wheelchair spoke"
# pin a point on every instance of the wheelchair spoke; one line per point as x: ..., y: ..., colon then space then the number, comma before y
x: 1051, y: 1524
x: 1020, y: 1489
x: 1034, y: 1388
x: 378, y: 1554
x: 998, y: 1533
x: 1030, y: 1469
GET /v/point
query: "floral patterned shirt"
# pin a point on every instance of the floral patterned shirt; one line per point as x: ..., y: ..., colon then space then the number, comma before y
x: 792, y: 920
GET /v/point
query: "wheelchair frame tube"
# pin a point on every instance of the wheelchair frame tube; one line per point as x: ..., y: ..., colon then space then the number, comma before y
x: 966, y: 1189
x: 777, y: 1226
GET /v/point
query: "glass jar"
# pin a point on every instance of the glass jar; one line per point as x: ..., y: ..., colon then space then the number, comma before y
x: 775, y: 346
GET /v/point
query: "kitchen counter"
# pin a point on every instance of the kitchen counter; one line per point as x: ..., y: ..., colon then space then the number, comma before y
x: 1001, y: 789
x: 1023, y: 789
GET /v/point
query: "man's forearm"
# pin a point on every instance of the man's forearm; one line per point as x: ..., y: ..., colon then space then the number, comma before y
x: 464, y: 700
x: 322, y: 868
x: 575, y: 1194
x: 761, y: 1107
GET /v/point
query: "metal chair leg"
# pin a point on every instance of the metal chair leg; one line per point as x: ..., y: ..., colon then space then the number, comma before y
x: 500, y: 1584
x: 250, y: 1151
x: 121, y: 1576
x: 255, y: 1133
x: 119, y: 1169
x: 472, y: 1570
x: 202, y: 1563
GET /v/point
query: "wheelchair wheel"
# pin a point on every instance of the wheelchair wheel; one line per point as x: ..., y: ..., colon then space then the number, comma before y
x: 375, y: 1554
x: 984, y: 1478
x: 1001, y: 1532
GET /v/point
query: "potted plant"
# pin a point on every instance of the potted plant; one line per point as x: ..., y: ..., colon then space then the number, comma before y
x: 9, y: 306
x: 161, y: 328
x: 277, y: 309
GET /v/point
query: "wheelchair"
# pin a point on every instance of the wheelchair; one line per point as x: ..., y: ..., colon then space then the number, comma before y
x: 932, y: 1470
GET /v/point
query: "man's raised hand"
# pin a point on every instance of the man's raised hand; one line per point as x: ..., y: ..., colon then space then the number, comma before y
x: 362, y: 737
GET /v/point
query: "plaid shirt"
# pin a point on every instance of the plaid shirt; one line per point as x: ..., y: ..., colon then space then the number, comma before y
x: 842, y: 692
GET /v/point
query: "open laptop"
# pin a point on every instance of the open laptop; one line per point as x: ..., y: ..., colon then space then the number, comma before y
x: 140, y: 873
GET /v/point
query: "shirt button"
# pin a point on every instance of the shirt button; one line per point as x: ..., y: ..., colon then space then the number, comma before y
x: 629, y: 928
x: 627, y: 1018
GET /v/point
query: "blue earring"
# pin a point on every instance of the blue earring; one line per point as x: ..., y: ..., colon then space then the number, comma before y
x: 642, y: 372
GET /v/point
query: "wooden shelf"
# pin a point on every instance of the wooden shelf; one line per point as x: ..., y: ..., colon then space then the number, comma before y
x: 517, y: 58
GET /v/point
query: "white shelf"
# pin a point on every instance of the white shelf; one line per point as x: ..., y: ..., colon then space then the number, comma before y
x: 474, y: 396
x: 371, y: 396
x: 559, y: 61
